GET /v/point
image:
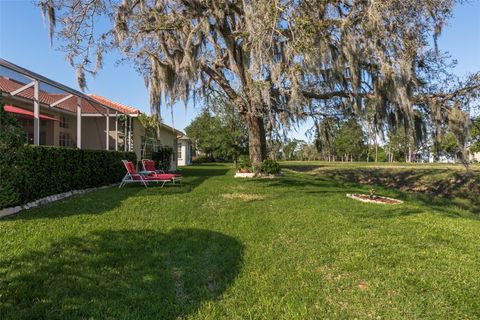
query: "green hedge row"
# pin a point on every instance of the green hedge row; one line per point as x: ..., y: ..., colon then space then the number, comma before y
x: 39, y: 171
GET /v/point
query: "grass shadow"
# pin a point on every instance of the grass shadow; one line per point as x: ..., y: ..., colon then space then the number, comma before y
x: 126, y: 274
x: 324, y: 184
x: 437, y: 188
x: 105, y: 200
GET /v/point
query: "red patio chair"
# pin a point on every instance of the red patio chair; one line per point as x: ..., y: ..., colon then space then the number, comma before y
x: 133, y: 176
x: 149, y: 168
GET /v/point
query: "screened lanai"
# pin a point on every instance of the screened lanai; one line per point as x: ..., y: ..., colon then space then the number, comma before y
x: 54, y: 114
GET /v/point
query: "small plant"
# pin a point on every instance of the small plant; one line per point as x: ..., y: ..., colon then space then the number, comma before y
x: 270, y: 166
x: 244, y: 164
x: 371, y: 193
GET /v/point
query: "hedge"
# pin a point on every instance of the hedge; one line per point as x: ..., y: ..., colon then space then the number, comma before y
x: 40, y: 171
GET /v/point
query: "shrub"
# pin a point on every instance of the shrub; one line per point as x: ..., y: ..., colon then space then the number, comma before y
x: 202, y: 159
x: 163, y: 157
x: 40, y: 171
x: 12, y: 138
x: 244, y: 163
x: 270, y: 166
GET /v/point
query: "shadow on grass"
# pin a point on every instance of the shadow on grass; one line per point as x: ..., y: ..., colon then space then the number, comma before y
x: 435, y: 188
x: 120, y: 275
x: 105, y: 200
x: 324, y: 184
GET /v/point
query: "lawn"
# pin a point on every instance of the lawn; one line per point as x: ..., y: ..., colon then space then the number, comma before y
x: 293, y: 247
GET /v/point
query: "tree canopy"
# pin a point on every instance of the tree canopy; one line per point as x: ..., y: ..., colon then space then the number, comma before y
x: 475, y: 135
x: 219, y: 137
x: 276, y: 61
x: 350, y: 141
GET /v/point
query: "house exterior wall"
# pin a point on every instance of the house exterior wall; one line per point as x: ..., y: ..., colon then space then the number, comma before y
x: 184, y: 152
x: 167, y: 138
x: 138, y: 133
x: 475, y: 156
x: 93, y: 133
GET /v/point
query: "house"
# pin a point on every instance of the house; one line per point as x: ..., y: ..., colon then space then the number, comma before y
x: 140, y: 143
x: 54, y: 114
x: 474, y: 156
x: 184, y: 150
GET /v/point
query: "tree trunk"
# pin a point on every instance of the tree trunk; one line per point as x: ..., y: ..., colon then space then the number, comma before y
x: 257, y: 141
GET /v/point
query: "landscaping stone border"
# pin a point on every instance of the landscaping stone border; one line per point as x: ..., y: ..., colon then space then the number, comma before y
x: 256, y: 175
x: 42, y: 201
x: 245, y: 175
x: 393, y: 201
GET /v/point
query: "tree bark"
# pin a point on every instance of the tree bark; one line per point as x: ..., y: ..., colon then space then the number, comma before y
x: 257, y: 142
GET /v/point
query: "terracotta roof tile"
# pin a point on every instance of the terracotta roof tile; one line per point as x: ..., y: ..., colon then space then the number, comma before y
x: 8, y: 85
x: 115, y: 105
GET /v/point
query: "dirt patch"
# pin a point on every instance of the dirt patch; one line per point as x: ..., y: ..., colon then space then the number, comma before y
x: 243, y: 196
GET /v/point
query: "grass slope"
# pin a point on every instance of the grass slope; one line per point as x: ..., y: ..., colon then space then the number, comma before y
x: 218, y: 247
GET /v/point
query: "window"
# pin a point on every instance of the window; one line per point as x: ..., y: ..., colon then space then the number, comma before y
x: 179, y: 151
x: 348, y: 73
x: 64, y: 139
x: 64, y: 122
x: 26, y: 123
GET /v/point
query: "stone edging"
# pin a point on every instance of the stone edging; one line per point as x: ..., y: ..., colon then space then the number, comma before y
x: 352, y: 196
x: 42, y: 201
x: 245, y: 174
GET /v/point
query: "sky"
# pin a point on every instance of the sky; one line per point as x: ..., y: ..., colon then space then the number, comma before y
x: 24, y: 41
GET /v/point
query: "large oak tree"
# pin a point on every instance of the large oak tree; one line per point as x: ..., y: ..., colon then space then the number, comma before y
x: 278, y: 61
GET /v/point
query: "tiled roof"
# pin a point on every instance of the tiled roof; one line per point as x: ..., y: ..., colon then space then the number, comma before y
x: 8, y: 85
x: 115, y: 105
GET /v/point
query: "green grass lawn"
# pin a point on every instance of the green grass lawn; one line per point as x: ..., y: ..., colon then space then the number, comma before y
x: 216, y: 247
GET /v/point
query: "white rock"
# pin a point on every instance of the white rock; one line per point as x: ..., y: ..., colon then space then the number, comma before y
x: 9, y: 211
x: 244, y: 175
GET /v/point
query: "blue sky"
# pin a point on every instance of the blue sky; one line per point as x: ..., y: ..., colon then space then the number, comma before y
x: 24, y: 41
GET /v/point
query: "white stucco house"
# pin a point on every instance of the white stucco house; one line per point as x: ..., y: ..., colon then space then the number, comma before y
x: 475, y: 157
x: 184, y: 150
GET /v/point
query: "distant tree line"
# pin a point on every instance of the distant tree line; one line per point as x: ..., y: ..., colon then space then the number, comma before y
x: 219, y: 134
x: 351, y: 140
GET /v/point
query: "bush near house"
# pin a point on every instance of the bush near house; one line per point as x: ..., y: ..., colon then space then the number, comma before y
x: 40, y: 171
x: 163, y: 158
